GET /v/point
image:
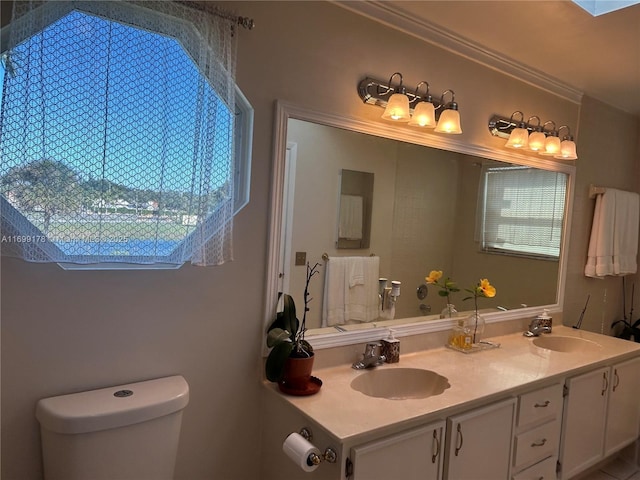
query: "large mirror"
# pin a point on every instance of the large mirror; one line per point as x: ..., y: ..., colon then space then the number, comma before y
x: 427, y: 213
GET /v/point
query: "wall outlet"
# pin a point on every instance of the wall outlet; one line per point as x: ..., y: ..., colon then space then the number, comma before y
x: 301, y: 258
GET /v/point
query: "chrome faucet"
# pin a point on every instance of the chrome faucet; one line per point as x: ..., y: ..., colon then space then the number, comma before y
x: 370, y: 358
x: 536, y: 328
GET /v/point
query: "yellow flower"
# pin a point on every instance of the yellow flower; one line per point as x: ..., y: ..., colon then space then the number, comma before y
x: 486, y: 289
x: 434, y: 276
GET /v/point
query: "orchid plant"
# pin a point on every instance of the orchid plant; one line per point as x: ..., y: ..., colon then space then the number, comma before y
x: 285, y: 335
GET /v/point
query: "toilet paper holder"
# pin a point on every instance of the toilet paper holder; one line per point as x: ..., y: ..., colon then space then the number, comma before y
x: 329, y: 454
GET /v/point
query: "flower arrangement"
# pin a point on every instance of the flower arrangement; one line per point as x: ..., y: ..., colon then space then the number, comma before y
x: 447, y: 286
x: 482, y: 289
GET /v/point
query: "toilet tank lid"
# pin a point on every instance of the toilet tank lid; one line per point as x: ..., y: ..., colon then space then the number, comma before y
x: 113, y: 407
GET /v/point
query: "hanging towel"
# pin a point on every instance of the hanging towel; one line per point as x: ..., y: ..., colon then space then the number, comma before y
x: 350, y: 221
x: 362, y: 300
x: 350, y: 290
x: 613, y: 246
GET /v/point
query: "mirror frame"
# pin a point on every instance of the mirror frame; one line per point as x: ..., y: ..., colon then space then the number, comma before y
x: 284, y: 111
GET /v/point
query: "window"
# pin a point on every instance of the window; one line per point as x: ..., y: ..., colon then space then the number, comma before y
x: 123, y: 141
x: 521, y: 211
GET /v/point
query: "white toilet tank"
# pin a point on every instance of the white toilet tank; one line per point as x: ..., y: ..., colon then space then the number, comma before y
x: 128, y: 432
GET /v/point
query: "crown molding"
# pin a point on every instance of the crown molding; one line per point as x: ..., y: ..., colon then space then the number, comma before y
x: 388, y: 14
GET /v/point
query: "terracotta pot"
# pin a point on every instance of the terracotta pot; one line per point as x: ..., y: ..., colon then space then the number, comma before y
x: 297, y: 372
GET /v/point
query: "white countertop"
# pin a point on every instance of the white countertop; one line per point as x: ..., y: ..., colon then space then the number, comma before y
x: 475, y: 379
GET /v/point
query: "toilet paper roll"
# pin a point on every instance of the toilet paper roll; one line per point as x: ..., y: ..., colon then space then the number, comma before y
x: 299, y: 450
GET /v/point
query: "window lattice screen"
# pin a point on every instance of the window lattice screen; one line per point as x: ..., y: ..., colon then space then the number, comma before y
x: 114, y: 145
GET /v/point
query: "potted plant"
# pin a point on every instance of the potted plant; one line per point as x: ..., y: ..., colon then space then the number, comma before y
x: 291, y: 357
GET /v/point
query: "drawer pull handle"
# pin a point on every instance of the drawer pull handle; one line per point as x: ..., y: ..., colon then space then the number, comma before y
x: 605, y: 383
x: 460, y: 440
x: 542, y: 405
x: 436, y: 447
x: 617, y: 379
x: 540, y: 443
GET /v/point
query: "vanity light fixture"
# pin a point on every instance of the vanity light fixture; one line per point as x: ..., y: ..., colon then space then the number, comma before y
x: 519, y: 137
x: 398, y: 105
x: 449, y: 121
x: 424, y: 113
x: 536, y: 137
x: 421, y: 110
x: 551, y: 143
x: 527, y: 136
x: 567, y: 146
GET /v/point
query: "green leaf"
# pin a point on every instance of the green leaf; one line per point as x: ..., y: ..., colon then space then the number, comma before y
x: 290, y: 322
x: 276, y: 336
x: 274, y: 366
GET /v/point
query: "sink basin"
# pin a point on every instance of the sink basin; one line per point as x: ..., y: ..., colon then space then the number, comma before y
x: 564, y: 344
x: 400, y: 383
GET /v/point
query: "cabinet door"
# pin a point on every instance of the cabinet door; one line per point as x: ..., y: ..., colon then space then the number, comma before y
x: 583, y: 421
x: 623, y: 412
x: 412, y: 455
x: 479, y: 443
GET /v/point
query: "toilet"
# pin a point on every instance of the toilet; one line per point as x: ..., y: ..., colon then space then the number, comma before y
x: 127, y: 432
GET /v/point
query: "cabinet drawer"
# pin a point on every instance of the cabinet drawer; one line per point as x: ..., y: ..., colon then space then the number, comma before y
x: 545, y: 470
x: 545, y: 403
x: 537, y: 444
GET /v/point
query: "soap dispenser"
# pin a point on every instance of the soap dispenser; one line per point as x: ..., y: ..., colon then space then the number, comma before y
x: 391, y: 348
x: 544, y: 320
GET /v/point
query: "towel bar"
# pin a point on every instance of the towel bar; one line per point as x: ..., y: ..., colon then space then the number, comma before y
x: 325, y: 256
x: 593, y: 191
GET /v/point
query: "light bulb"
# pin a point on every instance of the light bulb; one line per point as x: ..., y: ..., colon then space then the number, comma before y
x: 536, y: 141
x: 567, y: 150
x: 551, y: 146
x: 397, y: 108
x: 519, y: 138
x: 424, y: 115
x: 449, y: 122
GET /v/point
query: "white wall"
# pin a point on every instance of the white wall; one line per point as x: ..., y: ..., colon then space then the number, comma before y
x: 70, y: 331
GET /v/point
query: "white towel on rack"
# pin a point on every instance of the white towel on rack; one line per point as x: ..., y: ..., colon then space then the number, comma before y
x: 350, y: 220
x: 350, y: 290
x: 362, y: 300
x: 613, y: 246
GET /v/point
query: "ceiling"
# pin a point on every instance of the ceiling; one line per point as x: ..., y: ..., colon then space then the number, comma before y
x: 598, y: 56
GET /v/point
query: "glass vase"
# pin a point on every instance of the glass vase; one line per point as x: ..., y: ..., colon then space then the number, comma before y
x: 449, y: 311
x: 476, y: 323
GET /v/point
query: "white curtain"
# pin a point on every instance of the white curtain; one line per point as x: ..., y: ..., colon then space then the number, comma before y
x: 117, y: 133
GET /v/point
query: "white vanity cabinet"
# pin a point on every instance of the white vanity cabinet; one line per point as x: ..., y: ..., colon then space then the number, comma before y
x: 623, y: 409
x: 537, y: 433
x: 602, y: 415
x: 479, y: 443
x: 415, y: 454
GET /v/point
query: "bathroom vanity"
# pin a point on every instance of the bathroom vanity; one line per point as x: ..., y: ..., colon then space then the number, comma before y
x: 546, y: 407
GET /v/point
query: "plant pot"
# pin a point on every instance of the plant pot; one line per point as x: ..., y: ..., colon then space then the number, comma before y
x: 297, y: 372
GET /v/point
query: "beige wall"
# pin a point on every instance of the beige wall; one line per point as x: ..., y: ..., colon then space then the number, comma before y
x: 69, y: 331
x: 609, y: 156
